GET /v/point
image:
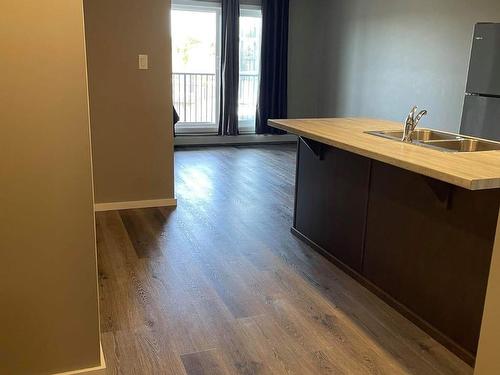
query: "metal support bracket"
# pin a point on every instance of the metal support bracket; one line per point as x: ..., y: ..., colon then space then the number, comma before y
x: 442, y: 191
x: 317, y: 148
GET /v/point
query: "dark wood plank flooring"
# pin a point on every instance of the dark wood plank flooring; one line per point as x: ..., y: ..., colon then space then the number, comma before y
x: 220, y: 286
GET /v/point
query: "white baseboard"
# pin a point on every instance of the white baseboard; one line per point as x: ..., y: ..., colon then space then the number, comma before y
x: 112, y: 206
x: 244, y: 139
x: 99, y: 370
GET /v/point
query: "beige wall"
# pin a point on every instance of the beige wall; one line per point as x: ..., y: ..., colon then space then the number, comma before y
x: 48, y: 283
x: 488, y: 356
x: 131, y: 109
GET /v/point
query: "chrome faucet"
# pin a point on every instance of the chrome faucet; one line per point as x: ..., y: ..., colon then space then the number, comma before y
x: 411, y: 123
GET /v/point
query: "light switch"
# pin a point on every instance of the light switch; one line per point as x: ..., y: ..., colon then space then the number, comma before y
x: 143, y: 62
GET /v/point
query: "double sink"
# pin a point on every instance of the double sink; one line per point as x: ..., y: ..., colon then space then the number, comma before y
x: 441, y: 141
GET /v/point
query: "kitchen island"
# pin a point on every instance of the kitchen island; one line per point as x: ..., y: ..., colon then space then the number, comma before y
x: 413, y: 224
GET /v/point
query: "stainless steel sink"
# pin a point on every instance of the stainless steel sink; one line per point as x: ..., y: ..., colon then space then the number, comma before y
x: 447, y: 142
x: 419, y: 135
x: 466, y: 145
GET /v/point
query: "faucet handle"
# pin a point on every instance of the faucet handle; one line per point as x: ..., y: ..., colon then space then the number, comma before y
x: 411, y: 115
x: 410, y: 119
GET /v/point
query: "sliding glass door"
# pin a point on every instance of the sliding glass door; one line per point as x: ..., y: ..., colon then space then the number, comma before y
x: 196, y: 30
x: 195, y: 66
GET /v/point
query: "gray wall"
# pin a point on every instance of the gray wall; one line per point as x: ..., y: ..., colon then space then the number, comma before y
x: 379, y: 57
x: 304, y: 62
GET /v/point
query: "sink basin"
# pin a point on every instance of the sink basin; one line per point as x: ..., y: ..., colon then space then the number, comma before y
x: 465, y: 145
x: 446, y: 142
x: 419, y: 135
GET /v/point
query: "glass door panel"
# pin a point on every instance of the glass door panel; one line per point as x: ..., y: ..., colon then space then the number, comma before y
x: 195, y: 77
x: 250, y: 44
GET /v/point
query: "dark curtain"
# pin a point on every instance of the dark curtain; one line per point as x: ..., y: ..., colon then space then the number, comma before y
x: 228, y: 122
x: 272, y: 101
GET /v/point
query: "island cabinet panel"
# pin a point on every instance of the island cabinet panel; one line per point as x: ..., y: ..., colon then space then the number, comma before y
x: 331, y: 200
x: 428, y: 246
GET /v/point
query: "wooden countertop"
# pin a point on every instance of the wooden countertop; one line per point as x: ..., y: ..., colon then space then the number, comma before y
x: 471, y: 170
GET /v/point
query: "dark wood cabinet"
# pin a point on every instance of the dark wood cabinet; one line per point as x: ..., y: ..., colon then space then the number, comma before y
x: 429, y: 245
x: 331, y: 199
x: 421, y: 244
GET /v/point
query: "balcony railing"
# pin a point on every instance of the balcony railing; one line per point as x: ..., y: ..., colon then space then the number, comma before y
x: 247, y: 98
x: 195, y: 97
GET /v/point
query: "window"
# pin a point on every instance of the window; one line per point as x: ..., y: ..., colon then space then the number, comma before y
x: 250, y: 43
x: 196, y: 30
x: 195, y: 66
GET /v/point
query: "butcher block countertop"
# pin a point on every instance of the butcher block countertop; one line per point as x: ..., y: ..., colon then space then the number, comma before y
x: 470, y: 170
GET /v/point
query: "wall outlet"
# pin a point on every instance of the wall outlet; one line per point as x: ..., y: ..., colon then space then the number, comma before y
x: 143, y: 62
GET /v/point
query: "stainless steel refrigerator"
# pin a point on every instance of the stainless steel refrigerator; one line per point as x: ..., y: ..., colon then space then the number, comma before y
x: 481, y: 113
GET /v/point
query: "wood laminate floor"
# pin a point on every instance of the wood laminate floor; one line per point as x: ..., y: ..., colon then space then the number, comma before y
x: 220, y: 286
